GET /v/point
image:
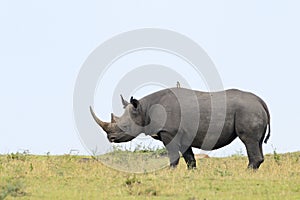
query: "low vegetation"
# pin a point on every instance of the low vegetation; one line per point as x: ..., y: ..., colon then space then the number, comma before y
x: 68, y: 176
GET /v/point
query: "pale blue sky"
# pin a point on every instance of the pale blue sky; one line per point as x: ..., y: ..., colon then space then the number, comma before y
x: 255, y: 46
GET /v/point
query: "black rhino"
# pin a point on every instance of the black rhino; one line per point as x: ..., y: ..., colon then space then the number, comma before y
x: 183, y: 118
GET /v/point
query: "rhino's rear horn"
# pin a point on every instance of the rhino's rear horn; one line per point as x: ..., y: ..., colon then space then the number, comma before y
x: 113, y: 118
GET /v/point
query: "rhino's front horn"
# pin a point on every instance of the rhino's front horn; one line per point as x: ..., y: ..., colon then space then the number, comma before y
x: 103, y: 125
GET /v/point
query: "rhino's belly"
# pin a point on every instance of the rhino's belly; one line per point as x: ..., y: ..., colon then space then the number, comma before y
x: 215, y: 136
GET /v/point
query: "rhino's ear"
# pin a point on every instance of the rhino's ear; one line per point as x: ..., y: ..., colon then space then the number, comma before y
x: 124, y: 102
x: 134, y: 102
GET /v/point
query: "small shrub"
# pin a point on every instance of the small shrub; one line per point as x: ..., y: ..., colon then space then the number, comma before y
x: 31, y: 167
x: 150, y: 192
x: 162, y: 152
x: 276, y: 157
x: 18, y: 156
x: 222, y: 173
x: 14, y: 189
x: 131, y: 181
x: 69, y: 157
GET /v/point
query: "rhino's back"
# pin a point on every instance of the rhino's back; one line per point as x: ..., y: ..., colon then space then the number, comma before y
x: 175, y: 99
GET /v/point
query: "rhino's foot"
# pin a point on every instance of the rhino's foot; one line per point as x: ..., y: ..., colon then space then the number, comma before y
x: 174, y: 163
x: 191, y: 165
x: 255, y: 165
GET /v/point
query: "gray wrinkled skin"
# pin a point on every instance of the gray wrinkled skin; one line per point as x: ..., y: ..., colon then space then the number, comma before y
x: 246, y: 117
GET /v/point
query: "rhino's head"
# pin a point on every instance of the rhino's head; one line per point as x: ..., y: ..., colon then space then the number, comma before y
x: 126, y: 127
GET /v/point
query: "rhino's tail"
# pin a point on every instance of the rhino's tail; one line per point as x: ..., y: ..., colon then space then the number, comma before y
x: 269, y: 124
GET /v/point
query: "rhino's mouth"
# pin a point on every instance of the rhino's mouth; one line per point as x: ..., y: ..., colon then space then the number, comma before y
x: 119, y: 137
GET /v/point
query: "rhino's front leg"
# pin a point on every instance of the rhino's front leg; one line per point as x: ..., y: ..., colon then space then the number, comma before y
x: 189, y: 157
x: 172, y: 147
x: 174, y: 159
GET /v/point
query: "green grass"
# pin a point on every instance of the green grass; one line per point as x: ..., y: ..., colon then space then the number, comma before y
x: 24, y: 176
x: 139, y: 161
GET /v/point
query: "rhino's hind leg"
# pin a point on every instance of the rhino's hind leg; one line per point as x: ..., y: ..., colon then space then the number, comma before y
x: 252, y: 135
x: 255, y: 155
x: 189, y: 157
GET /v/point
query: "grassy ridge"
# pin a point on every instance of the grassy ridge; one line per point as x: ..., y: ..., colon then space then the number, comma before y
x: 72, y: 177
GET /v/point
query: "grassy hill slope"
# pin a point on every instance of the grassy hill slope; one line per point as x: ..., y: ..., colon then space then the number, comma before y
x: 74, y: 177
